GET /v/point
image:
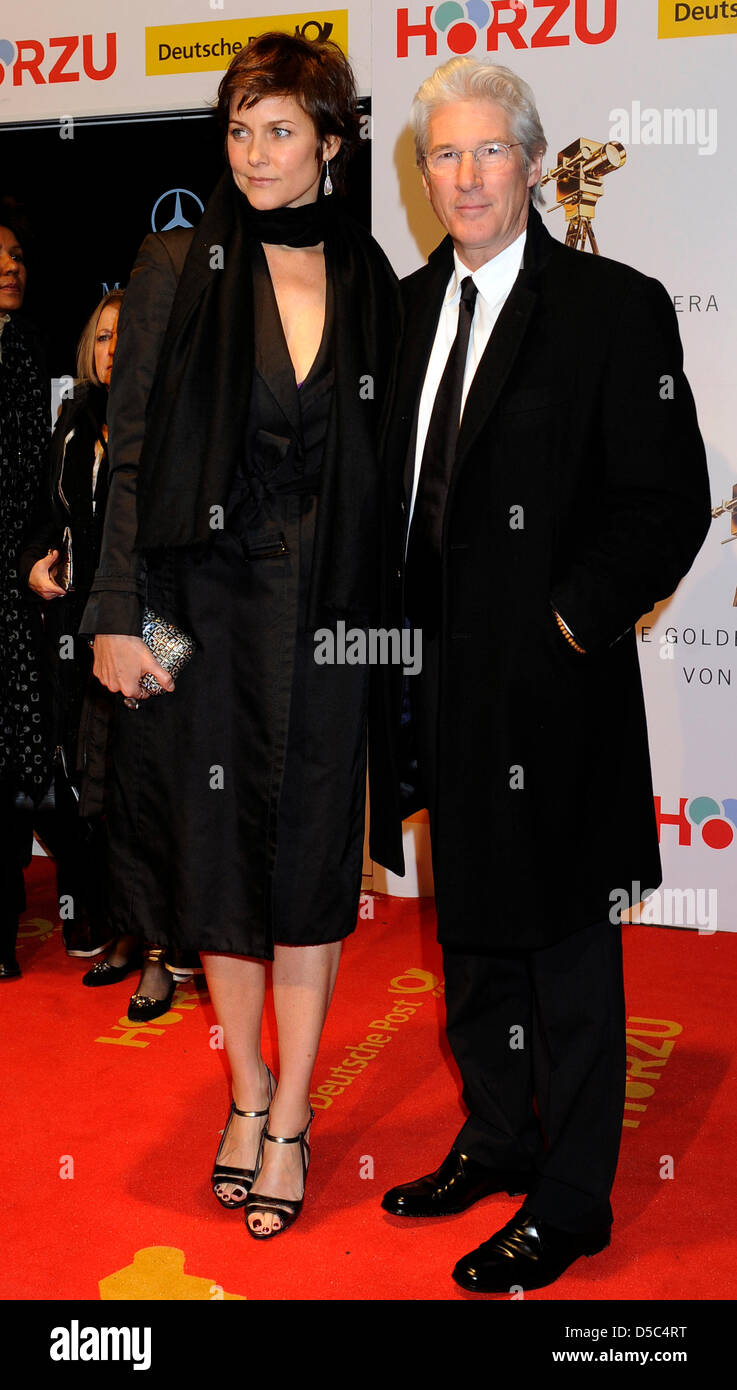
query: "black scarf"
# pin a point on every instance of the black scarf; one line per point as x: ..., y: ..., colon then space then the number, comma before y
x: 302, y: 226
x: 196, y: 418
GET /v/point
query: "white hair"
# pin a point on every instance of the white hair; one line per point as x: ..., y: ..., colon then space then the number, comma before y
x: 464, y: 79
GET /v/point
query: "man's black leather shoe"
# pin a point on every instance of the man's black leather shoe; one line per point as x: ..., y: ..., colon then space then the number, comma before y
x: 526, y: 1254
x: 455, y: 1185
x: 9, y: 970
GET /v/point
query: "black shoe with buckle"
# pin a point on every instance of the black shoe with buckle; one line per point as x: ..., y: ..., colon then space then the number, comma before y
x: 144, y: 1007
x: 103, y: 973
x: 525, y: 1254
x: 453, y: 1187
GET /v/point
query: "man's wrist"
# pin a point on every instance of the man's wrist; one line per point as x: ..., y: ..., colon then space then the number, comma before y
x: 566, y: 631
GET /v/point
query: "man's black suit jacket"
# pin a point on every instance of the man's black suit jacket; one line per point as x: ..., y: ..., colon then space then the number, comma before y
x: 580, y: 483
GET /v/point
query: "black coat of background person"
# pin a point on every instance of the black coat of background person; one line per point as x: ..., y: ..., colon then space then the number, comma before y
x: 570, y: 418
x: 74, y: 835
x: 65, y: 499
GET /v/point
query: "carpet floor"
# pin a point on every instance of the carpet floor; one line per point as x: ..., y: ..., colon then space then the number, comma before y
x: 111, y: 1131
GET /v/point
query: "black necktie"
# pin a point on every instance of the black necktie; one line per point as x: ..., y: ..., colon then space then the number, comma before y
x: 438, y: 457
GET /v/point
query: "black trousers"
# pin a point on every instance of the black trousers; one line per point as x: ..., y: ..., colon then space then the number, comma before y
x: 79, y: 846
x: 539, y: 1037
x: 15, y: 851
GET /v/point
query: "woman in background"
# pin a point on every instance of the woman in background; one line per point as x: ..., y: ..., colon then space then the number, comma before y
x: 24, y: 431
x: 254, y: 363
x: 73, y: 503
x: 72, y: 500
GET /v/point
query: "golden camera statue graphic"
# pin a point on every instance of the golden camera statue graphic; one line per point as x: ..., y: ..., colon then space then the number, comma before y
x: 729, y: 506
x: 578, y: 179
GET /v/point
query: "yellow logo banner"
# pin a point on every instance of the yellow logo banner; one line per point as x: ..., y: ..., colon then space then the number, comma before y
x: 679, y: 19
x: 209, y: 46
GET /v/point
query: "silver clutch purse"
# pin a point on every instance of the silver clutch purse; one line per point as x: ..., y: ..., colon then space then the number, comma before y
x: 171, y: 646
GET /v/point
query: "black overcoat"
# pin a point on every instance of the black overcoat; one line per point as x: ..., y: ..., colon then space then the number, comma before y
x: 65, y: 499
x: 275, y: 856
x: 580, y: 484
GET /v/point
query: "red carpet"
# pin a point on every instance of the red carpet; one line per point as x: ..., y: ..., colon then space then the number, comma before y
x: 110, y: 1133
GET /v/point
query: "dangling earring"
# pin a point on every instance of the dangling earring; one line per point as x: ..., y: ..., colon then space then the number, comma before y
x: 328, y: 180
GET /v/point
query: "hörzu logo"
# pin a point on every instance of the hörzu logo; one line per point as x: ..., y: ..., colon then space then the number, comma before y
x: 177, y: 218
x: 462, y: 28
x: 713, y: 821
x: 29, y: 61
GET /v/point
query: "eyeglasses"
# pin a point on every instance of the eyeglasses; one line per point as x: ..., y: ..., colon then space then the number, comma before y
x: 490, y: 156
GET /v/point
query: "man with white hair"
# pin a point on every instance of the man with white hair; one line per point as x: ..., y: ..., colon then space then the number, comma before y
x: 572, y: 496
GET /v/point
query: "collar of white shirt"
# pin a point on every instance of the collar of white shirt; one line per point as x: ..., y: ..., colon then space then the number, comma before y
x: 494, y: 279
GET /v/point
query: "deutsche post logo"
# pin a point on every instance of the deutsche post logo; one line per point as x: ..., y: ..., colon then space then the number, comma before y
x: 172, y: 49
x: 678, y: 19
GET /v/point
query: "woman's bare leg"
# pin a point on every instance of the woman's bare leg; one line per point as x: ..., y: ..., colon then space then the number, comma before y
x: 237, y: 986
x: 303, y: 979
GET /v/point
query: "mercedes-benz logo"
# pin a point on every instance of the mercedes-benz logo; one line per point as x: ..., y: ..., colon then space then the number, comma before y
x: 178, y: 219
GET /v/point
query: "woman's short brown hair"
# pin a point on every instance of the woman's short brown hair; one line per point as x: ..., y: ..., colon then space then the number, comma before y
x: 316, y: 73
x: 86, y: 370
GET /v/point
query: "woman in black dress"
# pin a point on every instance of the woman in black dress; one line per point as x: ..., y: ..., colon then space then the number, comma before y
x: 260, y: 350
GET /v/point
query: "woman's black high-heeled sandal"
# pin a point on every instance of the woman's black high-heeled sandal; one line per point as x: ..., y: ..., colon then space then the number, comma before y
x: 143, y: 1007
x: 242, y: 1176
x: 286, y: 1208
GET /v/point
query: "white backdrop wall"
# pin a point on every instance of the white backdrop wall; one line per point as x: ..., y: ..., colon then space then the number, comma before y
x: 657, y: 75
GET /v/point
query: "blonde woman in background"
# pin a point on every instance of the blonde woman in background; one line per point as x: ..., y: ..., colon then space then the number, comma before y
x: 72, y: 505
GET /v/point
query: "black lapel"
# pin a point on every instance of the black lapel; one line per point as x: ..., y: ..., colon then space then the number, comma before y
x: 271, y: 351
x: 507, y: 336
x: 205, y: 257
x: 496, y: 363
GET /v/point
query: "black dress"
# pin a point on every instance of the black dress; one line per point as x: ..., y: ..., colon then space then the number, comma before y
x: 238, y: 822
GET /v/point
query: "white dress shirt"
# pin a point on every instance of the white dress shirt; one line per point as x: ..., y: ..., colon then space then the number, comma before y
x: 494, y: 281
